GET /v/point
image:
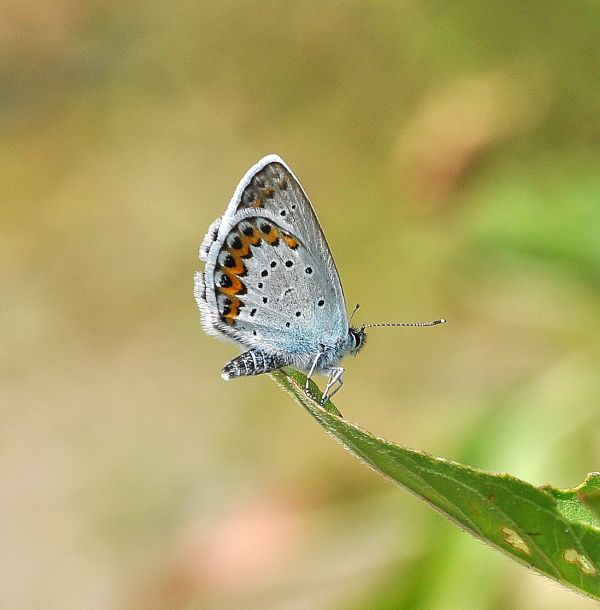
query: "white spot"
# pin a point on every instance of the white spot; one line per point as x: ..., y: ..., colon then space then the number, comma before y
x: 225, y: 376
x: 584, y: 564
x: 517, y: 543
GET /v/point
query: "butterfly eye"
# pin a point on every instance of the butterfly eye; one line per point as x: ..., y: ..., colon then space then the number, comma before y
x: 358, y: 336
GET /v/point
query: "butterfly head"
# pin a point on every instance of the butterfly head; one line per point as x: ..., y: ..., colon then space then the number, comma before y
x: 356, y: 339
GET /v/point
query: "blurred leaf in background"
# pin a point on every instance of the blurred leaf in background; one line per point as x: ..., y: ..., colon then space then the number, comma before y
x: 451, y: 153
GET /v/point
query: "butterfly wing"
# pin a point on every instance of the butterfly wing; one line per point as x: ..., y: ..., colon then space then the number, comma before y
x: 270, y: 280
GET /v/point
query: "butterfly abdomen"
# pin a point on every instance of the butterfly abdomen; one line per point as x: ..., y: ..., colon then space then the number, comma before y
x: 253, y: 362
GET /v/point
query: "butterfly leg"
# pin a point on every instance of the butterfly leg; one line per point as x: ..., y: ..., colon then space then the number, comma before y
x: 253, y: 362
x: 335, y: 376
x: 310, y: 374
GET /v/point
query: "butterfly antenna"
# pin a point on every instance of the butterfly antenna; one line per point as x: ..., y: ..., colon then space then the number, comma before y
x: 356, y: 308
x: 433, y: 323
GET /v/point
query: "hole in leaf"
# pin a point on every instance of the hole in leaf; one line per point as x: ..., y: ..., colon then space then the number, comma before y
x: 511, y: 537
x: 581, y: 561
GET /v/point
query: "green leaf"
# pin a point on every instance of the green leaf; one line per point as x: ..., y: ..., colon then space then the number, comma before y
x: 555, y: 532
x: 589, y: 493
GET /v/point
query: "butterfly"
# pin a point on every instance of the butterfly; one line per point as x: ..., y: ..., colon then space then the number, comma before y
x: 270, y: 283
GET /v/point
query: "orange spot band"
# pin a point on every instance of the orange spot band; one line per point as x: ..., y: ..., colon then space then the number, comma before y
x: 236, y: 287
x: 232, y: 311
x: 238, y: 267
x: 272, y: 237
x: 290, y: 242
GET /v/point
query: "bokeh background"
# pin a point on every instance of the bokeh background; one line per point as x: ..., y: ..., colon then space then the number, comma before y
x: 452, y: 153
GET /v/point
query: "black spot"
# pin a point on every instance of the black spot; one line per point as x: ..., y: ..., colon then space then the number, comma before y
x: 265, y: 299
x: 229, y: 261
x: 288, y: 263
x: 236, y: 243
x: 224, y: 281
x: 265, y: 227
x: 293, y: 206
x: 226, y: 310
x: 282, y: 212
x: 264, y: 273
x: 273, y: 264
x: 308, y: 270
x: 298, y: 314
x: 248, y: 231
x: 260, y: 284
x: 321, y: 303
x: 254, y: 332
x: 253, y: 312
x: 287, y: 324
x: 227, y: 301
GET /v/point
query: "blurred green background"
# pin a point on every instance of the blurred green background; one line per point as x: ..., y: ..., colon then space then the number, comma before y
x: 451, y: 151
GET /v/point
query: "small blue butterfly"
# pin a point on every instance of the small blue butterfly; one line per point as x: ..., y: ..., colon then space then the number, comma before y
x: 270, y: 283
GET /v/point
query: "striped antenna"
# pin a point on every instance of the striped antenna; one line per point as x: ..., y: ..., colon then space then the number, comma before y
x: 434, y: 323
